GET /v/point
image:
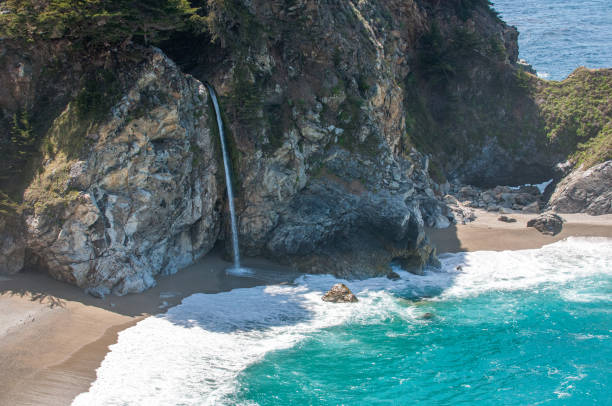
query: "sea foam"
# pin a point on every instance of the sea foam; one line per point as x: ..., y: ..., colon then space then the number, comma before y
x: 193, y: 354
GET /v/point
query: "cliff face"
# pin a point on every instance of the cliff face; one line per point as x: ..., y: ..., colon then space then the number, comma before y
x: 130, y: 192
x: 320, y: 92
x: 585, y: 191
x: 128, y: 189
x: 440, y: 77
x: 315, y: 143
x: 313, y: 97
x: 328, y: 107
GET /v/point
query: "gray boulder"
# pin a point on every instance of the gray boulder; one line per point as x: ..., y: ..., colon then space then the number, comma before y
x: 531, y: 208
x: 585, y: 191
x: 339, y: 293
x: 547, y: 223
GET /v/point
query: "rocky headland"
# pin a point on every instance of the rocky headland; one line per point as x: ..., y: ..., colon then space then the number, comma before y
x: 352, y: 127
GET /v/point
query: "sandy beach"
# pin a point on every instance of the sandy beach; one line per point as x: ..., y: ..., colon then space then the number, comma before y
x: 487, y: 233
x: 53, y: 336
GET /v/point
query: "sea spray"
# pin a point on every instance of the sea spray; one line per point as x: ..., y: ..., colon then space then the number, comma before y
x: 514, y: 327
x: 228, y: 183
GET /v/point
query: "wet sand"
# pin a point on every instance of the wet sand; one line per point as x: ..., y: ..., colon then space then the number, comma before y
x: 53, y: 337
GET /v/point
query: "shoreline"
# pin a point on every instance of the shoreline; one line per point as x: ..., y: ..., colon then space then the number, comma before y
x: 53, y: 336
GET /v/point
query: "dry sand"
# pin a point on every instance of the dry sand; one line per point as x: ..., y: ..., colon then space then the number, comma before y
x: 487, y: 233
x: 53, y: 336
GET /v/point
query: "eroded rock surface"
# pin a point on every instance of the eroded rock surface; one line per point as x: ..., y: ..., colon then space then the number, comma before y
x: 12, y: 246
x: 328, y: 229
x: 585, y: 191
x: 547, y: 223
x: 140, y: 198
x: 340, y: 293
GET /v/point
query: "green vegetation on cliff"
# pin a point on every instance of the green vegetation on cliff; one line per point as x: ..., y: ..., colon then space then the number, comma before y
x: 578, y: 114
x: 21, y: 145
x: 95, y: 21
x: 17, y: 149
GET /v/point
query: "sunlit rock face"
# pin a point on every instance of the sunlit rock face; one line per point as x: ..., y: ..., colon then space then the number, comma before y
x: 142, y: 199
x: 585, y: 191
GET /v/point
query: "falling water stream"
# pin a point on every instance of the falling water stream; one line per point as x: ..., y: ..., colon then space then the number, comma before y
x: 228, y: 183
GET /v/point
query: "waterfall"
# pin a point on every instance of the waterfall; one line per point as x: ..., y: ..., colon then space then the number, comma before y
x: 228, y: 178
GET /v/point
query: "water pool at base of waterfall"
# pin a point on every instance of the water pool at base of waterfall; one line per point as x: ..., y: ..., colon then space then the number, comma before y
x: 512, y: 328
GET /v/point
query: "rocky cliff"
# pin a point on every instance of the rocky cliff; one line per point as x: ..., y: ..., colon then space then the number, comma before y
x: 128, y: 193
x: 130, y: 189
x: 344, y: 120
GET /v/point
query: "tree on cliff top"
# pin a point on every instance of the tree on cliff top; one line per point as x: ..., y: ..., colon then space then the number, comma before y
x: 95, y: 22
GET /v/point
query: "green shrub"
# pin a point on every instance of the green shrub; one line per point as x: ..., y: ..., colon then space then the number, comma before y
x: 578, y: 114
x: 100, y: 91
x: 596, y: 150
x: 230, y: 22
x: 92, y: 22
x: 19, y: 147
x: 465, y: 8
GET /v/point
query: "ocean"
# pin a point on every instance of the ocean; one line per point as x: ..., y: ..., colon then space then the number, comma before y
x: 511, y: 328
x: 557, y: 36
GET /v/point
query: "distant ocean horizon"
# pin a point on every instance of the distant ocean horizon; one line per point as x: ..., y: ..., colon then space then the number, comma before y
x: 557, y: 36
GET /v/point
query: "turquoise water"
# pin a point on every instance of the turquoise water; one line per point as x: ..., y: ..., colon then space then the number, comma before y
x: 515, y: 343
x: 506, y: 328
x: 513, y: 348
x: 557, y: 36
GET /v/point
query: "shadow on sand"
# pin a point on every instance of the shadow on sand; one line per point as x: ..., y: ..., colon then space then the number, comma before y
x: 207, y: 275
x: 255, y: 309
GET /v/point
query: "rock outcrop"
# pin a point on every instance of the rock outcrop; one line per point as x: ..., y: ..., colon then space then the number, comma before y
x: 12, y: 245
x: 133, y: 192
x: 326, y: 228
x: 503, y: 199
x: 585, y: 191
x: 339, y: 293
x: 138, y: 193
x: 547, y: 223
